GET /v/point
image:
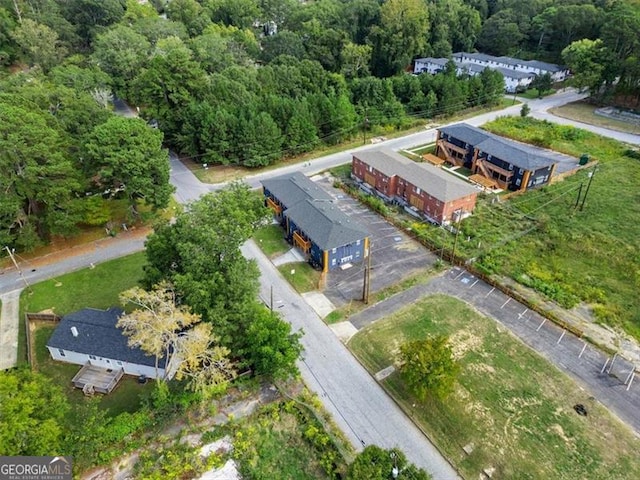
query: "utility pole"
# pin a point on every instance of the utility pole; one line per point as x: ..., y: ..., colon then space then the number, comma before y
x: 458, y: 213
x: 365, y: 124
x: 13, y: 259
x: 367, y: 278
x: 591, y: 175
x: 579, y: 193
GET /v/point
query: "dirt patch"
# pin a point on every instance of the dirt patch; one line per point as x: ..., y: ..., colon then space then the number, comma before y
x: 33, y: 326
x: 407, y: 246
x: 463, y: 341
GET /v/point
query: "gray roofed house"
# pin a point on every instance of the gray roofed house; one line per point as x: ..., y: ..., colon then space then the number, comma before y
x: 440, y: 184
x: 325, y: 223
x: 517, y: 153
x: 293, y: 188
x: 91, y: 336
x: 465, y: 132
x: 313, y: 223
x: 383, y: 160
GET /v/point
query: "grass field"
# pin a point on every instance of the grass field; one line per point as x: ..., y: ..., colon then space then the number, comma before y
x: 584, y: 112
x: 572, y: 256
x: 125, y: 398
x: 97, y: 287
x: 304, y: 277
x: 271, y: 240
x: 513, y: 406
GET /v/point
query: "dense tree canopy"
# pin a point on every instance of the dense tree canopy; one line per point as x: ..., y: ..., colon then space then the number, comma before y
x: 200, y: 255
x: 32, y: 411
x: 248, y: 83
x: 124, y: 154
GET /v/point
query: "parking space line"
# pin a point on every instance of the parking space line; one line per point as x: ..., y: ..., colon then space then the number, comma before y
x: 561, y: 337
x: 505, y: 303
x: 583, y: 349
x: 459, y: 275
x: 474, y: 283
x: 541, y: 324
x: 520, y: 315
x: 490, y: 292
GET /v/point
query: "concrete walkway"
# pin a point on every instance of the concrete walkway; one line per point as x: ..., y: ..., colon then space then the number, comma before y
x: 9, y: 325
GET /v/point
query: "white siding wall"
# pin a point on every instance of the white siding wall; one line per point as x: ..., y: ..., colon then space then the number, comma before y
x: 82, y: 359
x: 510, y: 83
x: 427, y: 67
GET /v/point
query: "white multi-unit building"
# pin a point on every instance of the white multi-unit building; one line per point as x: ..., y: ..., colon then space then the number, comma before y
x: 517, y: 73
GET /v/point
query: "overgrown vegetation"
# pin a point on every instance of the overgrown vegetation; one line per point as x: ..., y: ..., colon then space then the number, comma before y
x: 563, y: 256
x: 517, y: 416
x: 285, y: 440
x: 541, y: 240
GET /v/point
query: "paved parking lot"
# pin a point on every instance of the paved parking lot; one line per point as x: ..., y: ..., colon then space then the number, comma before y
x: 607, y: 379
x: 394, y: 255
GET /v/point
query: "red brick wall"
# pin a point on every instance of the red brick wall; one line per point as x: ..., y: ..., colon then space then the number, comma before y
x: 436, y: 209
x: 381, y: 182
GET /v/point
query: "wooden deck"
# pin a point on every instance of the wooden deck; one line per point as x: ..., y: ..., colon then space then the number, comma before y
x: 432, y: 159
x: 483, y: 181
x: 92, y: 379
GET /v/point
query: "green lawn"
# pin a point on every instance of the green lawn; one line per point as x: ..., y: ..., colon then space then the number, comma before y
x: 97, y: 287
x: 510, y: 403
x: 584, y: 112
x: 125, y: 398
x: 430, y: 148
x: 271, y: 240
x: 304, y: 278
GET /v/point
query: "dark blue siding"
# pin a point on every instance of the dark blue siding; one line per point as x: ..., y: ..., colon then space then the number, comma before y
x: 349, y: 253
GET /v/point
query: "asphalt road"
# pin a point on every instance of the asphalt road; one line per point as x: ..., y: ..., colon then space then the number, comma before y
x: 364, y: 412
x: 359, y: 406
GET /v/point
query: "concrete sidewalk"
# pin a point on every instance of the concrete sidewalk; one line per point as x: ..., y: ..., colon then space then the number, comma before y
x: 9, y: 325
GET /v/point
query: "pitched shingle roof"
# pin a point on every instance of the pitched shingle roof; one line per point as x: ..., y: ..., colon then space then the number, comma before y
x: 383, y: 160
x: 482, y: 57
x: 325, y: 224
x: 519, y: 154
x: 436, y: 182
x: 99, y: 336
x: 465, y: 133
x: 294, y: 188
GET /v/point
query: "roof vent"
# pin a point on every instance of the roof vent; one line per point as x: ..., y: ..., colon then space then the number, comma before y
x: 74, y: 331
